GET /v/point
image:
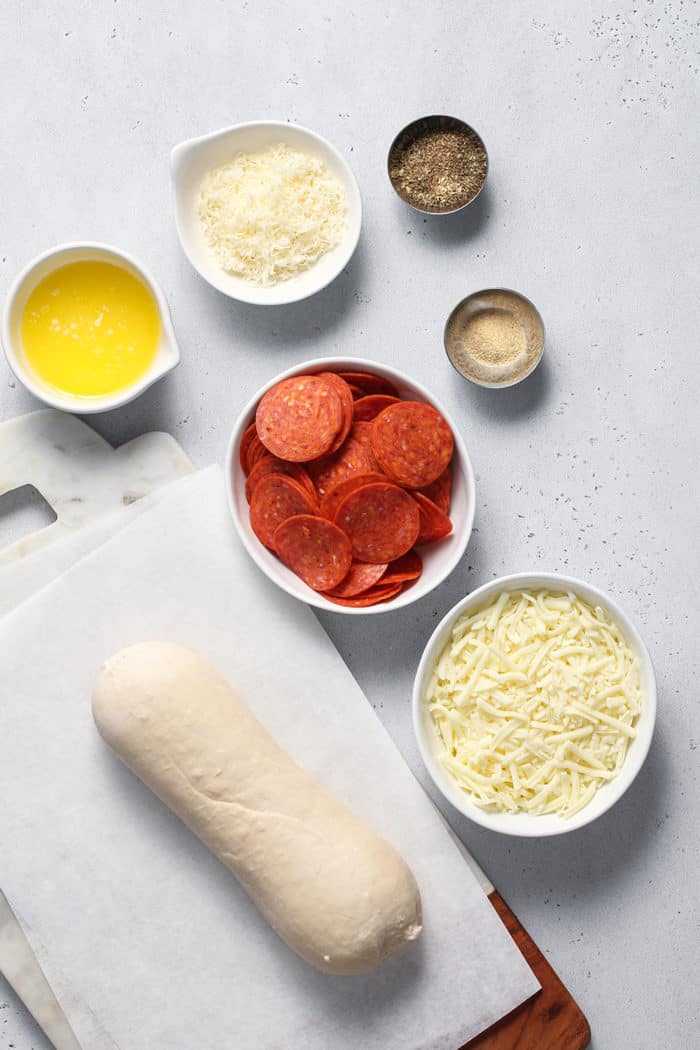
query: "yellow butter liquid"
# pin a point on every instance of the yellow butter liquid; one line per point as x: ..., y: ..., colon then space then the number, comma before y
x: 90, y: 328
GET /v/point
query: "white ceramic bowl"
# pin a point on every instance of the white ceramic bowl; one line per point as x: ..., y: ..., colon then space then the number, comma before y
x: 429, y: 745
x: 191, y: 160
x: 167, y: 355
x: 439, y: 559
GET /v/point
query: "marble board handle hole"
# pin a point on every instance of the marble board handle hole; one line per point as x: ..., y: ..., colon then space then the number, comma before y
x: 23, y: 511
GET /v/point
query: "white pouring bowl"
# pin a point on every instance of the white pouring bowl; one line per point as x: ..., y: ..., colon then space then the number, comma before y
x: 439, y: 559
x: 167, y: 354
x: 191, y: 160
x: 429, y: 745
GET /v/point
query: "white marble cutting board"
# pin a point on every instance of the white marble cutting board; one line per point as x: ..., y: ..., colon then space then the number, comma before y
x: 94, y: 491
x: 91, y: 487
x: 218, y: 603
x: 129, y: 480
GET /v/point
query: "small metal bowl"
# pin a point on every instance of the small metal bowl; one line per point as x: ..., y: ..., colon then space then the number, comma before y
x: 414, y: 131
x: 499, y: 306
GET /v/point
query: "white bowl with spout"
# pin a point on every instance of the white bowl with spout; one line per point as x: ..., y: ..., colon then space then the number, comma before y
x: 190, y: 162
x: 167, y: 354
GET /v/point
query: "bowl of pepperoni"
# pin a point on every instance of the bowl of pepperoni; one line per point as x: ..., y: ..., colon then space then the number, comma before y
x: 350, y: 486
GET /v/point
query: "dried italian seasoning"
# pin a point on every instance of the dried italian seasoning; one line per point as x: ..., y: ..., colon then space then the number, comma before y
x: 438, y: 164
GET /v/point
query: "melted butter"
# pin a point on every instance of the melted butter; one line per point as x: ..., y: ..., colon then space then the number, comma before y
x: 90, y: 328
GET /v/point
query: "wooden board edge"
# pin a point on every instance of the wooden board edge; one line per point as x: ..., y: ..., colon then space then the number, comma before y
x: 550, y: 1020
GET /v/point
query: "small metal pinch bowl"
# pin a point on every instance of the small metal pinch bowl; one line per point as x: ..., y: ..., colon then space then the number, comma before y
x: 438, y: 165
x: 495, y: 338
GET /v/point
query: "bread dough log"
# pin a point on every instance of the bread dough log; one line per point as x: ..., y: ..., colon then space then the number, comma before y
x: 333, y: 890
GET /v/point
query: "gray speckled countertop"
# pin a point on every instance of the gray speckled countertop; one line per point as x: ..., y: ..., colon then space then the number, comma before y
x: 590, y: 114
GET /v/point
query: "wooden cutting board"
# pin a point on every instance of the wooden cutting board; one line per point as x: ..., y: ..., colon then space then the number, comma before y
x: 551, y: 1020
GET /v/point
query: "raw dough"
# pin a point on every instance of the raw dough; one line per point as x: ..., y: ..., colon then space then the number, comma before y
x: 333, y: 890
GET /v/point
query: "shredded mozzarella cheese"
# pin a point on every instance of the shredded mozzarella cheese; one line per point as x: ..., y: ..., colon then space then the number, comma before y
x: 268, y: 216
x: 535, y: 700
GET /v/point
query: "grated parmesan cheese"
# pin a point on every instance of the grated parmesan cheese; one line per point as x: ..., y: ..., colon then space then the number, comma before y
x: 267, y: 216
x: 535, y: 700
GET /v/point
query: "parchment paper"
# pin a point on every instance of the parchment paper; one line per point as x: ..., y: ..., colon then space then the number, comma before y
x: 155, y: 934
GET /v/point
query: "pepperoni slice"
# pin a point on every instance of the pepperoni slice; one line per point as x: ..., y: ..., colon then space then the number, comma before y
x: 434, y: 524
x: 412, y: 443
x: 381, y: 520
x: 352, y: 459
x: 370, y: 406
x: 440, y: 490
x: 361, y: 577
x: 346, y: 400
x: 276, y: 497
x: 299, y: 418
x: 362, y: 432
x: 315, y: 549
x: 357, y: 391
x: 373, y: 596
x: 248, y: 434
x: 370, y: 383
x: 407, y: 567
x: 333, y: 498
x: 271, y: 465
x: 256, y: 451
x: 266, y: 465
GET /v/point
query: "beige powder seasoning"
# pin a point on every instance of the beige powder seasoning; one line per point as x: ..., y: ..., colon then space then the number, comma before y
x: 494, y: 337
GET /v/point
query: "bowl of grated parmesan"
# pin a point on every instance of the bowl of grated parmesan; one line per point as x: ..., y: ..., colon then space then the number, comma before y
x: 267, y: 212
x: 534, y: 704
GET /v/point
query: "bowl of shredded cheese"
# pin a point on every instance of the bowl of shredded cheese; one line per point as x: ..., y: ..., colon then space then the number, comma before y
x: 267, y: 212
x: 534, y: 704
